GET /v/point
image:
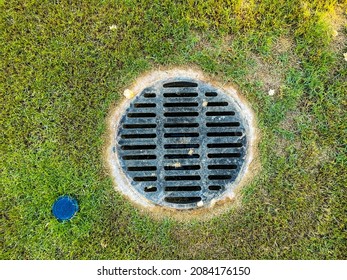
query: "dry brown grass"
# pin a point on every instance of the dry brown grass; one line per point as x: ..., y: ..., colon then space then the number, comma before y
x: 337, y: 19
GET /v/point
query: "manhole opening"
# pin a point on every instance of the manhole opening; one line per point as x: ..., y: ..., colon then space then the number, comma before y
x: 180, y: 143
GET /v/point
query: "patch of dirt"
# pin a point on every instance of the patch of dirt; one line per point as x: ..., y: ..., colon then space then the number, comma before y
x: 317, y: 156
x: 204, y: 44
x: 207, y: 242
x: 288, y: 124
x: 284, y: 44
x: 312, y: 153
x: 271, y: 72
x: 337, y: 20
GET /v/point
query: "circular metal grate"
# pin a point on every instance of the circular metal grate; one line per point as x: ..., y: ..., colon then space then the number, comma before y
x: 181, y: 143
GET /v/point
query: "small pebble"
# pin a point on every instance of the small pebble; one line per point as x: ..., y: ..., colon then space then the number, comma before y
x: 200, y: 204
x: 129, y: 94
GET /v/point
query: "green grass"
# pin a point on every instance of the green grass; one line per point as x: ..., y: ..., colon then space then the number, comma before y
x: 61, y: 70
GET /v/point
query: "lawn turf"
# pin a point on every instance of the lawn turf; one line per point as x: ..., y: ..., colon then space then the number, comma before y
x: 63, y: 66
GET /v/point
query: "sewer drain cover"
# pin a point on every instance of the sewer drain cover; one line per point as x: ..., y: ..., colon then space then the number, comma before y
x: 181, y: 143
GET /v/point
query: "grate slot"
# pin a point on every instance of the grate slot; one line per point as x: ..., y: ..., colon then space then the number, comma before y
x: 219, y: 177
x: 182, y: 84
x: 180, y: 94
x: 138, y: 147
x: 136, y: 141
x: 180, y: 125
x: 149, y: 95
x: 224, y: 134
x: 139, y: 157
x: 150, y: 189
x: 145, y: 105
x: 223, y: 155
x: 142, y: 168
x: 183, y: 200
x: 220, y: 113
x: 183, y: 134
x: 183, y: 189
x: 139, y: 125
x: 181, y: 146
x: 141, y: 115
x: 210, y: 94
x: 216, y: 104
x: 145, y: 179
x: 179, y: 156
x: 181, y: 114
x: 222, y: 124
x: 224, y: 145
x: 139, y: 121
x: 136, y: 136
x: 182, y: 178
x: 215, y: 188
x: 222, y: 166
x: 181, y: 104
x: 182, y: 167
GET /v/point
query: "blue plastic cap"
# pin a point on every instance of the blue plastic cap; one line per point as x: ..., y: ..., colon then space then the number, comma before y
x: 64, y: 208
